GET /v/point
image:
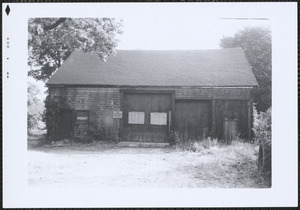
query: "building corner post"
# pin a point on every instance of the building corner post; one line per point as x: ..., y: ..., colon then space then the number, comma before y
x: 213, y: 120
x: 250, y: 119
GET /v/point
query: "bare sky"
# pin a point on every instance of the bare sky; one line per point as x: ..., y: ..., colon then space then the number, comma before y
x: 167, y: 28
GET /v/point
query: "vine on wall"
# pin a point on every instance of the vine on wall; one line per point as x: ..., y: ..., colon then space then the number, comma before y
x: 54, y: 107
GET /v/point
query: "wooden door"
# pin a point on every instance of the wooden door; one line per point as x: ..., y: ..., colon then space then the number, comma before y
x: 146, y: 117
x: 232, y: 109
x: 65, y: 125
x: 192, y: 118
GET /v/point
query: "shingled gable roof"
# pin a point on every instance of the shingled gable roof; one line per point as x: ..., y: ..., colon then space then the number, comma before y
x: 209, y: 68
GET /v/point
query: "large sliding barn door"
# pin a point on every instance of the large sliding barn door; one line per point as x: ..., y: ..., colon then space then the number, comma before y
x: 146, y: 117
x: 192, y: 118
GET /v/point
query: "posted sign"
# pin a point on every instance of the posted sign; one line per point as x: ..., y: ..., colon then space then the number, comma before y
x: 117, y: 114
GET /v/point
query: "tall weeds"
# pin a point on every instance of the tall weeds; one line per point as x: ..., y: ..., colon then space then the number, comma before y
x: 192, y: 144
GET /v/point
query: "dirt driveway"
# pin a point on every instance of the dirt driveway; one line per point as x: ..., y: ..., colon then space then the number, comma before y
x: 95, y: 166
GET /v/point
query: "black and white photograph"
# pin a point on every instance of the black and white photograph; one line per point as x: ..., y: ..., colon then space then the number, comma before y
x: 150, y: 103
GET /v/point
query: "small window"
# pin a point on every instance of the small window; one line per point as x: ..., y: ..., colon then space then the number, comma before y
x: 158, y: 118
x: 136, y: 118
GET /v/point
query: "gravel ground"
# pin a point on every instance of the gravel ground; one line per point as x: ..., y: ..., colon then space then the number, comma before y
x: 101, y: 165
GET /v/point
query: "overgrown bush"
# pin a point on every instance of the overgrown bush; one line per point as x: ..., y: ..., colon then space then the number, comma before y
x: 52, y: 115
x: 32, y: 121
x: 33, y: 117
x: 262, y: 127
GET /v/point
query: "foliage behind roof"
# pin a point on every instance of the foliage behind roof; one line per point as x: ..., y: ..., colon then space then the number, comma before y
x: 209, y: 68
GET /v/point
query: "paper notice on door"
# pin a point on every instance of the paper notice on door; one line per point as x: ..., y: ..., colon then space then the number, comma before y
x: 158, y: 118
x: 136, y: 117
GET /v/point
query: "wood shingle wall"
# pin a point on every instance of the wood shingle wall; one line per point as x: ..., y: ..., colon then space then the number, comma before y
x: 99, y: 103
x: 94, y: 106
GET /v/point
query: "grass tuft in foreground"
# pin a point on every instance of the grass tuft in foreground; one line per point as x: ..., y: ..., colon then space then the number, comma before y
x: 237, y: 161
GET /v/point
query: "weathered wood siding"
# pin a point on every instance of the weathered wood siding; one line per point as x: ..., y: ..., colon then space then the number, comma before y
x: 100, y: 102
x: 231, y: 109
x: 225, y: 103
x: 193, y: 118
x: 146, y: 104
x: 213, y: 93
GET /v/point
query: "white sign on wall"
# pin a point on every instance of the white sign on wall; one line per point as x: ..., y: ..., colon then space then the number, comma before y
x: 82, y: 118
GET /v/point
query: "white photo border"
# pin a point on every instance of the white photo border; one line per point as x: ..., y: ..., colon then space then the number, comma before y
x: 284, y: 190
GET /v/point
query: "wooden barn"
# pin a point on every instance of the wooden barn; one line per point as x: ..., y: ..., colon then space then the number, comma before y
x: 143, y: 95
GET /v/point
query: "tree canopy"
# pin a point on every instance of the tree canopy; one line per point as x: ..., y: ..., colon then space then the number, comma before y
x: 52, y: 40
x: 32, y: 101
x: 257, y: 45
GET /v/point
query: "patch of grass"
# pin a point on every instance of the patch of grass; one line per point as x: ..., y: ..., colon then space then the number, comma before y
x: 192, y: 144
x: 242, y: 159
x: 233, y: 165
x: 36, y: 140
